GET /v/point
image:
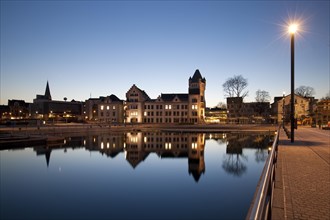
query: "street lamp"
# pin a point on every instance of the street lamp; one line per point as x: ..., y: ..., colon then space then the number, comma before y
x: 292, y: 30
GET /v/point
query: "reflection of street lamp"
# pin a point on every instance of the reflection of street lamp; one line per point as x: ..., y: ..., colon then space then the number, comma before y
x: 292, y: 30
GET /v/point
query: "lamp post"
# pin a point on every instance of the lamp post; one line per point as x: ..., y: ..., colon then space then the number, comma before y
x: 292, y: 29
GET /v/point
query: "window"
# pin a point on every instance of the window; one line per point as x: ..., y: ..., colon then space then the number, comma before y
x: 113, y: 107
x: 102, y: 107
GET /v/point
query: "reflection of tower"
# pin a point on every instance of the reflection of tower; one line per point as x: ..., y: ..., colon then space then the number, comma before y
x: 196, y: 155
x: 134, y: 152
x: 44, y: 151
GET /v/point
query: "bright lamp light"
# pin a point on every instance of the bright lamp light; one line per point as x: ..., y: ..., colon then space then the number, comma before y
x: 293, y: 28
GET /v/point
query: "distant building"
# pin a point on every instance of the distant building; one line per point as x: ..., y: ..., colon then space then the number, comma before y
x: 4, y: 112
x: 168, y: 108
x: 111, y: 109
x: 322, y: 113
x: 135, y: 100
x: 44, y: 107
x: 303, y: 109
x: 91, y: 108
x: 250, y: 112
x: 216, y: 115
x: 18, y: 109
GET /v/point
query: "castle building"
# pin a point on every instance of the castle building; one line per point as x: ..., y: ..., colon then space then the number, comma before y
x: 168, y: 108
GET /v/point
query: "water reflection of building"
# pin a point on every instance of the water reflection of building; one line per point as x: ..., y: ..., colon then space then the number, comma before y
x: 109, y: 144
x: 69, y: 142
x: 167, y: 145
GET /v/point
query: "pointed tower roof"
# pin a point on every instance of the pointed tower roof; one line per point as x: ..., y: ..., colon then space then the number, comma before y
x: 47, y: 92
x: 197, y: 76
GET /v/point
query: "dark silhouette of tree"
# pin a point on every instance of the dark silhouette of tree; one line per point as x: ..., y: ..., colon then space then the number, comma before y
x: 305, y: 91
x: 234, y: 165
x: 234, y: 87
x: 262, y: 96
x: 261, y: 155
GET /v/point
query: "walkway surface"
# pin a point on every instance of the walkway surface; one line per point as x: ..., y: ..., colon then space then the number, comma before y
x: 302, y: 187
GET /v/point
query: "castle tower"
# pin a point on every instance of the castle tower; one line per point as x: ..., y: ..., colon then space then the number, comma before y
x: 47, y: 92
x: 197, y: 98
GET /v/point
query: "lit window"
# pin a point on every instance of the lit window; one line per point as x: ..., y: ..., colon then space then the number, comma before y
x: 102, y: 107
x: 134, y: 139
x: 166, y: 106
x: 169, y: 106
x: 194, y: 145
x: 102, y: 145
x: 108, y: 107
x: 113, y: 107
x: 108, y: 144
x: 145, y: 113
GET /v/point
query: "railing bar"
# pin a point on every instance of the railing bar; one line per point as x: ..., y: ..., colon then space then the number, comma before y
x: 259, y: 201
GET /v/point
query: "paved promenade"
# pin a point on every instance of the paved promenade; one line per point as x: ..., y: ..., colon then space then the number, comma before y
x: 302, y: 187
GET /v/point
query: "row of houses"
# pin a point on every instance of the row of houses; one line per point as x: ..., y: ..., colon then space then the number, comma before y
x: 168, y: 108
x: 137, y: 108
x: 308, y: 111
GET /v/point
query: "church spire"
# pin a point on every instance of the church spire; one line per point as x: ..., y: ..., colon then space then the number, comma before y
x: 47, y: 92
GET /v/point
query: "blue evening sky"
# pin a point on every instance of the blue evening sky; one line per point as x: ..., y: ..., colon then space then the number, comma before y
x: 100, y: 48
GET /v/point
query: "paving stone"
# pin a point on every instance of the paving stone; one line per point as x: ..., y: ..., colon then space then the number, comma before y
x: 304, y: 173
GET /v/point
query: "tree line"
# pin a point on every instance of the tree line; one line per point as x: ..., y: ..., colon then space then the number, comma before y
x: 236, y: 86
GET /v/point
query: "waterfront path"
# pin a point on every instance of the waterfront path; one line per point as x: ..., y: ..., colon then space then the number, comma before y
x: 302, y: 186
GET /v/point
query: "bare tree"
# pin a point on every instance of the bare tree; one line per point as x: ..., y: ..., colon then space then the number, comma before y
x: 221, y: 105
x: 234, y: 87
x: 262, y: 96
x: 326, y: 97
x: 305, y: 91
x: 234, y: 165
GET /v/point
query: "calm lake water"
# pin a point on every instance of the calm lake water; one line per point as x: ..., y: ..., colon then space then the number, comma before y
x: 134, y: 176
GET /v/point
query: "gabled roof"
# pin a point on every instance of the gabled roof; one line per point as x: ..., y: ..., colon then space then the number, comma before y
x: 171, y: 96
x: 114, y: 98
x: 144, y: 94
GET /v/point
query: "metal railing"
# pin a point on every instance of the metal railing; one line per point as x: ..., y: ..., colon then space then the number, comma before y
x: 262, y: 203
